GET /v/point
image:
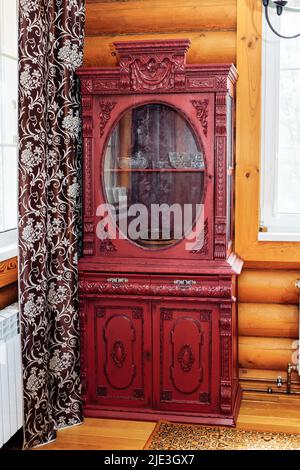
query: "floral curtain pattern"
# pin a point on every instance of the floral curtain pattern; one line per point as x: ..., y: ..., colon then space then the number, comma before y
x: 51, y: 34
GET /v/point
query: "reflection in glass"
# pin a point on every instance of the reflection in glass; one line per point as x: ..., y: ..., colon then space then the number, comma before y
x: 153, y: 158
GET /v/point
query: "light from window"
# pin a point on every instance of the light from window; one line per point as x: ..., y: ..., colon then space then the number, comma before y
x: 280, y: 202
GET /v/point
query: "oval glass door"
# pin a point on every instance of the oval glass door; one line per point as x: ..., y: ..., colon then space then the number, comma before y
x: 154, y: 174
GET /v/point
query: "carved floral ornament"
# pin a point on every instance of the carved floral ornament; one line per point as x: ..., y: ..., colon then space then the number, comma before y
x: 102, y: 287
x: 106, y: 108
x: 201, y: 107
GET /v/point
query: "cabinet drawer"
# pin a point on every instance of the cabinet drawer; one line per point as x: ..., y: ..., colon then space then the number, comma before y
x: 183, y: 282
x: 117, y: 279
x: 122, y: 284
x: 193, y: 286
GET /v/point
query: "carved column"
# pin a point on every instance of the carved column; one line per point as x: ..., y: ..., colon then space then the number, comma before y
x: 87, y: 110
x: 220, y: 162
x: 226, y: 357
x: 83, y: 352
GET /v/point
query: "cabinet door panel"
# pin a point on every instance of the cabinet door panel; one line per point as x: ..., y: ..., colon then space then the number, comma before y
x: 120, y: 356
x: 186, y: 357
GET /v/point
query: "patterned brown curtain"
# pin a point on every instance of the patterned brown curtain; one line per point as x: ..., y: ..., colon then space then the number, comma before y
x: 51, y: 34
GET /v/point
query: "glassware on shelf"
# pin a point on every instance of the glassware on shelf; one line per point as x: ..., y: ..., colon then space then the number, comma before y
x: 186, y: 160
x: 161, y: 165
x: 137, y: 161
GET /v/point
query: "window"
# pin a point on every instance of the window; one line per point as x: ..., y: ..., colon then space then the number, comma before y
x: 280, y: 183
x: 8, y: 128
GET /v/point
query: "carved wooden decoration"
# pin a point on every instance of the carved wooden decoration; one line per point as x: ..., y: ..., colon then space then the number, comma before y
x: 158, y: 324
x: 202, y: 113
x: 106, y: 108
x: 144, y: 68
x: 186, y: 357
x: 8, y: 271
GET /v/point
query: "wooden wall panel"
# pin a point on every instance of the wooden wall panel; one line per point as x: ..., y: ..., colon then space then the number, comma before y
x: 265, y: 353
x: 249, y: 41
x: 268, y: 320
x: 99, y: 51
x: 164, y: 16
x: 269, y: 286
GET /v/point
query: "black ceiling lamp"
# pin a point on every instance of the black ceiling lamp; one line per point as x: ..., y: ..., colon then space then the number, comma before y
x: 280, y: 6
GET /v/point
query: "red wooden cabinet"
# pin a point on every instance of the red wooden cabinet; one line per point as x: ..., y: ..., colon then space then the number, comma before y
x: 158, y: 289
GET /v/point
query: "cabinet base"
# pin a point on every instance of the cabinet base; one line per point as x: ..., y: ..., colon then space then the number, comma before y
x: 95, y: 411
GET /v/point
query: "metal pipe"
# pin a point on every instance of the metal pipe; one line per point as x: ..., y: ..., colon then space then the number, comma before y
x: 276, y: 392
x: 289, y: 371
x: 273, y: 381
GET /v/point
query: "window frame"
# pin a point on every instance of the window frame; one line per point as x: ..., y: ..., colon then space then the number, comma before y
x: 8, y: 236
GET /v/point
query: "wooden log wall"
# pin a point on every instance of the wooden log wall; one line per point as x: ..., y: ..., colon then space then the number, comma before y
x: 268, y: 326
x: 268, y: 309
x: 8, y: 282
x: 210, y: 24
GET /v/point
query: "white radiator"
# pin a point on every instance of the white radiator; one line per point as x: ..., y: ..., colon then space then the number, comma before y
x: 11, y: 396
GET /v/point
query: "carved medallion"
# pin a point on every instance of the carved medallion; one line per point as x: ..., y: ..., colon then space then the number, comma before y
x: 152, y: 74
x: 186, y: 358
x: 118, y: 354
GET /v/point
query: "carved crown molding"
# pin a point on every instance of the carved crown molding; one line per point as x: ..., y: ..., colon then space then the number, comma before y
x: 152, y: 65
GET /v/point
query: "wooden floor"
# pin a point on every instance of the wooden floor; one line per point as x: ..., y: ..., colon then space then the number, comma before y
x: 279, y: 414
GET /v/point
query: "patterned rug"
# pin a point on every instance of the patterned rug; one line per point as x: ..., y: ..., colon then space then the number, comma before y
x: 174, y: 436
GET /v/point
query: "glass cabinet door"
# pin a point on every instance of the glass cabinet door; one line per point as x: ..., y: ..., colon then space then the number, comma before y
x: 153, y: 159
